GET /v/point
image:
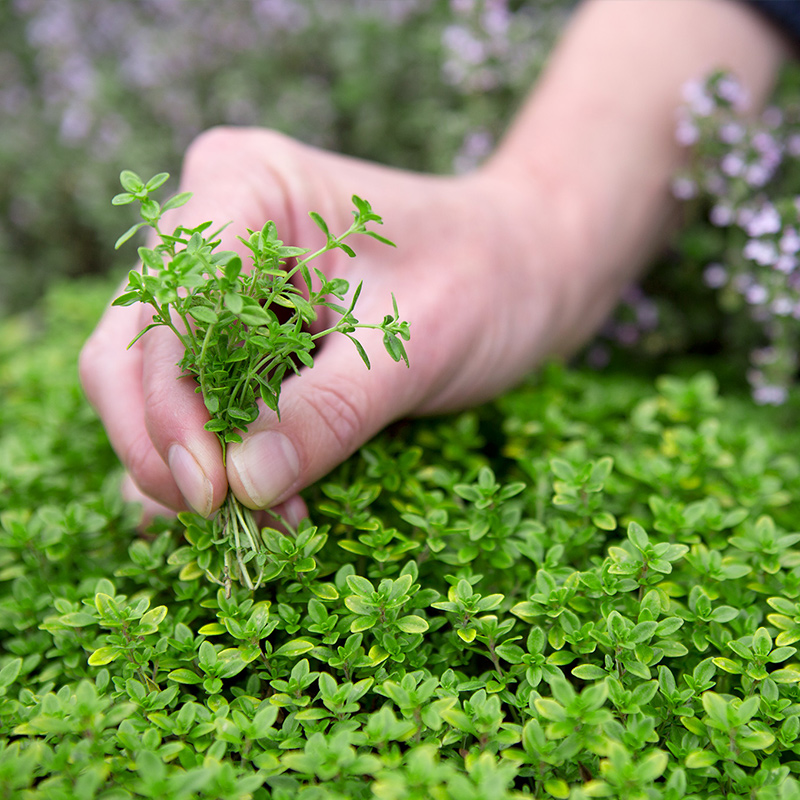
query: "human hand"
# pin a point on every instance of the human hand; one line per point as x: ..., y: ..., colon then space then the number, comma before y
x: 463, y: 274
x: 494, y: 271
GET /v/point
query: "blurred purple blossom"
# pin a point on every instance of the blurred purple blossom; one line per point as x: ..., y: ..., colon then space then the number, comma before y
x: 477, y: 145
x: 698, y: 98
x: 715, y: 276
x: 735, y: 161
x: 684, y: 188
x: 686, y: 132
x: 721, y: 215
x: 761, y: 251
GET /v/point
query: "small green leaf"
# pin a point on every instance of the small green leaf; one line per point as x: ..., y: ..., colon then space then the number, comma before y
x: 294, y: 648
x: 319, y: 222
x: 233, y: 302
x: 184, y: 676
x: 203, y: 314
x: 157, y: 181
x: 128, y: 234
x: 10, y: 672
x: 103, y: 655
x: 412, y: 624
x: 701, y: 759
x: 589, y: 672
x: 176, y: 201
x: 604, y: 521
x: 131, y: 182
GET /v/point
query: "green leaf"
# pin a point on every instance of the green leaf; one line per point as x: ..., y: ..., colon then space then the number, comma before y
x: 184, y: 676
x: 10, y: 672
x: 557, y: 788
x: 638, y: 537
x: 128, y: 234
x: 394, y: 347
x: 203, y: 314
x: 320, y: 223
x: 131, y: 182
x: 157, y: 181
x: 126, y: 299
x: 233, y: 302
x: 254, y: 315
x: 295, y: 647
x: 605, y: 521
x: 700, y: 759
x: 176, y: 201
x: 360, y: 348
x: 563, y: 470
x: 589, y: 672
x: 652, y: 766
x: 412, y: 624
x: 103, y: 655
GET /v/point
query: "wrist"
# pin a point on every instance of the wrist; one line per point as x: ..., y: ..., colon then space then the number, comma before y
x: 596, y: 138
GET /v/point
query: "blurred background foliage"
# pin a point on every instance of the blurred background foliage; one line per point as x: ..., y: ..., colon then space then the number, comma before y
x: 88, y: 88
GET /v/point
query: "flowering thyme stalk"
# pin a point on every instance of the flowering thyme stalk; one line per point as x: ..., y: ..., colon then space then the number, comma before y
x: 235, y: 344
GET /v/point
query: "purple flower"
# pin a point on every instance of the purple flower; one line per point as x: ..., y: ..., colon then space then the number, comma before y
x: 763, y: 252
x: 626, y: 333
x: 790, y: 241
x: 756, y: 295
x: 732, y: 164
x: 765, y: 220
x: 730, y: 90
x: 700, y: 102
x: 757, y: 174
x: 782, y: 306
x: 785, y: 263
x: 686, y: 132
x: 770, y: 395
x: 793, y: 145
x: 476, y: 146
x: 684, y: 188
x: 731, y: 132
x: 721, y: 215
x: 715, y: 276
x: 463, y: 44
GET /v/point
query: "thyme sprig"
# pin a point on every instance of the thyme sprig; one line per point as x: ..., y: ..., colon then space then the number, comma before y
x: 243, y: 330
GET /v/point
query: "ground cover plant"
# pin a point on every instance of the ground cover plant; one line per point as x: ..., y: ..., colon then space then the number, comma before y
x: 588, y: 588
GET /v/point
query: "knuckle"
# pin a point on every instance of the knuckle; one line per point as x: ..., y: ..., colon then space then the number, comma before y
x: 342, y: 410
x: 227, y: 145
x: 212, y: 143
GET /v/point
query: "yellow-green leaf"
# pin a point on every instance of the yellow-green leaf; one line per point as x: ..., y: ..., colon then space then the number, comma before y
x: 103, y: 655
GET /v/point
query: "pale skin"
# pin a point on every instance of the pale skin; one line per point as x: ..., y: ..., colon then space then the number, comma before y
x: 495, y: 271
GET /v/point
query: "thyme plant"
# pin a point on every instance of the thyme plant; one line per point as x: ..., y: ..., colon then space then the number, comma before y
x: 243, y: 330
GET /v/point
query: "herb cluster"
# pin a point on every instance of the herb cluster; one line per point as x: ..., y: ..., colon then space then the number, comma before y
x: 243, y: 330
x: 588, y: 588
x: 742, y: 176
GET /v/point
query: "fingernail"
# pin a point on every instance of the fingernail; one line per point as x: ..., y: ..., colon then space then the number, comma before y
x: 267, y: 464
x: 194, y: 485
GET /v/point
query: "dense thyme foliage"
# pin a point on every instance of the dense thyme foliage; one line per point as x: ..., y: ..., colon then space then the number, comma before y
x: 589, y: 588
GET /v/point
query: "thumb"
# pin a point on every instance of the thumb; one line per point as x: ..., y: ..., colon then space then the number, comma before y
x: 327, y: 413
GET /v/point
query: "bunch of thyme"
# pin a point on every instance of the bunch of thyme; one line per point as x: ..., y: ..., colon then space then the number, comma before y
x: 243, y: 330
